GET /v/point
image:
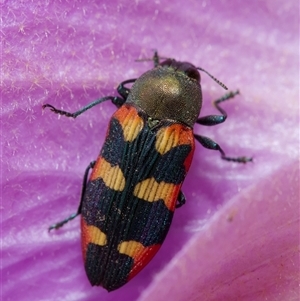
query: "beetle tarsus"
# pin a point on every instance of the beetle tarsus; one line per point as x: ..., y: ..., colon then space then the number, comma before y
x: 60, y: 224
x: 180, y: 200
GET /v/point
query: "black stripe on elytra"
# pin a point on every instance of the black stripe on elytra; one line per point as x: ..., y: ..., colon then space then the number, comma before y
x: 111, y: 274
x: 153, y: 229
x: 171, y: 168
x: 139, y: 220
x: 138, y: 160
x: 113, y: 148
x: 120, y: 215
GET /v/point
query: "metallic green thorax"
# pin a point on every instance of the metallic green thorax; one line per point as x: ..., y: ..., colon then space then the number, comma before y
x: 164, y: 93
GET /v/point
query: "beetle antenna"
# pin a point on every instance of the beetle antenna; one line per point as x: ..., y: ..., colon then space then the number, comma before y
x: 144, y: 60
x: 216, y: 80
x: 156, y: 58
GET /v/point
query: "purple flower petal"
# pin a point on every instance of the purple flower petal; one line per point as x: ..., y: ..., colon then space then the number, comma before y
x: 238, y: 235
x: 246, y: 251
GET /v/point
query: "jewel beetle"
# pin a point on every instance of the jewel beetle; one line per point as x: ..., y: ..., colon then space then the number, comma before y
x: 129, y: 198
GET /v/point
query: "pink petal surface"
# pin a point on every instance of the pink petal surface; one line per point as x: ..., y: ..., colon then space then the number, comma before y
x: 237, y: 238
x: 258, y: 259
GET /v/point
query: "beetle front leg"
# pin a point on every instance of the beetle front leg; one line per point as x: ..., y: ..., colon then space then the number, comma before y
x: 211, y: 120
x: 122, y: 90
x: 117, y: 101
x: 85, y: 108
x: 72, y: 216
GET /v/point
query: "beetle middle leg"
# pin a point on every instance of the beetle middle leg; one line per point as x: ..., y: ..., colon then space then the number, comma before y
x: 72, y: 216
x: 210, y: 144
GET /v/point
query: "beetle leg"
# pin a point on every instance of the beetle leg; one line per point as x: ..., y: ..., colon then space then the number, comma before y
x: 217, y: 119
x: 85, y: 179
x: 181, y: 199
x: 117, y: 101
x: 83, y: 109
x: 210, y: 144
x: 123, y: 91
x: 155, y: 59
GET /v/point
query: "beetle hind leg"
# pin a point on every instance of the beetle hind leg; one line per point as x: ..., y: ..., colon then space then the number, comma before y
x: 72, y: 216
x: 60, y: 224
x: 180, y: 200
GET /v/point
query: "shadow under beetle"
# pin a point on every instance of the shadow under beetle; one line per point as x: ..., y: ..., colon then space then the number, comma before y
x: 128, y: 201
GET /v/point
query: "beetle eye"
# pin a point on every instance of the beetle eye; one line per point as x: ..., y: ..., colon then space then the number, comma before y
x: 167, y: 62
x: 185, y: 67
x: 193, y: 73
